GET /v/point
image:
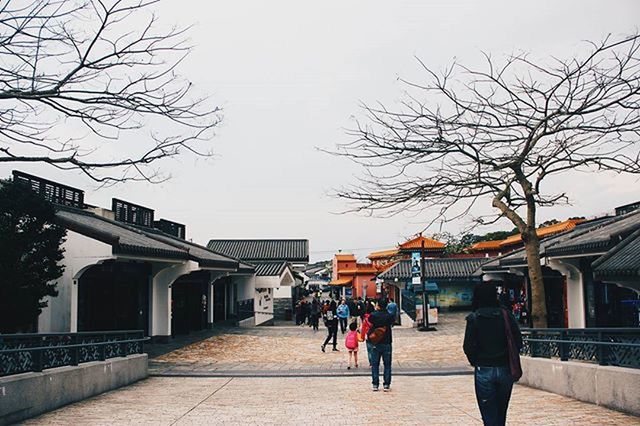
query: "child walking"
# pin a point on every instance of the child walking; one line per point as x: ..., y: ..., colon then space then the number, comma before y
x: 351, y: 343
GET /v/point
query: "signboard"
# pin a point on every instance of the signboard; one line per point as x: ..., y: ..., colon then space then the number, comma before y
x: 433, y: 315
x: 416, y: 275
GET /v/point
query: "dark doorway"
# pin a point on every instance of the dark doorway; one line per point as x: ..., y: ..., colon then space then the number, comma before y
x: 114, y: 296
x: 189, y: 295
x: 555, y: 295
x: 616, y: 306
x: 219, y: 298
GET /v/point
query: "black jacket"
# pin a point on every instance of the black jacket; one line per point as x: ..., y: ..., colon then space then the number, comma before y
x: 382, y: 319
x: 485, y: 340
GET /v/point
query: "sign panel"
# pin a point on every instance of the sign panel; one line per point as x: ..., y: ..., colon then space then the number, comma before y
x: 415, y: 268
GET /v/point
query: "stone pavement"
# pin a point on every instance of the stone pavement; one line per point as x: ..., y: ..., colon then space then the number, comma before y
x: 289, y: 350
x: 288, y: 401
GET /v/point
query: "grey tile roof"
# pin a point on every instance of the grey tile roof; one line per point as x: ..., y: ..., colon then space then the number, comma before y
x: 131, y: 240
x: 623, y: 261
x: 123, y: 239
x: 257, y: 250
x: 519, y: 257
x: 597, y: 239
x: 198, y: 253
x: 270, y: 269
x: 436, y: 268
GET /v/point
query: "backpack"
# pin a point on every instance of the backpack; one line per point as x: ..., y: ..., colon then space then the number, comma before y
x: 351, y: 341
x: 329, y: 315
x: 377, y: 334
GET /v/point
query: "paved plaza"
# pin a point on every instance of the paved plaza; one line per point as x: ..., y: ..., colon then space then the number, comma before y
x: 320, y: 400
x: 278, y: 375
x: 295, y: 350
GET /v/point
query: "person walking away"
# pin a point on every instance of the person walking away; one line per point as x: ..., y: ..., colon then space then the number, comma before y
x: 306, y: 313
x: 366, y: 326
x: 343, y: 315
x: 331, y: 322
x: 351, y: 343
x: 486, y: 347
x: 361, y: 309
x: 392, y: 308
x: 315, y: 314
x: 298, y: 311
x: 381, y: 338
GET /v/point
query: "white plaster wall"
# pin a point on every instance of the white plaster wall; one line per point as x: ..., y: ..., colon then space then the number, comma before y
x: 61, y: 314
x: 283, y: 292
x: 163, y: 277
x: 263, y: 305
x: 575, y: 291
x: 246, y: 286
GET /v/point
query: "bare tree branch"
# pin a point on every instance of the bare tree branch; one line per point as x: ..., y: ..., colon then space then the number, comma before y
x: 99, y: 70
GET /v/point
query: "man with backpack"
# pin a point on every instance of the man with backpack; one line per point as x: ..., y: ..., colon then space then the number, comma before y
x: 380, y: 338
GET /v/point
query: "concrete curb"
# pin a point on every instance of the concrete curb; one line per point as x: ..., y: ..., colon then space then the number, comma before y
x: 306, y: 373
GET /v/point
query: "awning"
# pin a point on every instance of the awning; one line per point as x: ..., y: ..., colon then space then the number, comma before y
x: 342, y: 282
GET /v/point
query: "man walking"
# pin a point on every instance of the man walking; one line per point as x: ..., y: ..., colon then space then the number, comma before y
x: 380, y: 337
x: 343, y: 315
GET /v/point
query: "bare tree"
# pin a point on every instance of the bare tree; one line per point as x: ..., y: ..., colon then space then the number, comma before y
x: 496, y: 135
x: 78, y: 77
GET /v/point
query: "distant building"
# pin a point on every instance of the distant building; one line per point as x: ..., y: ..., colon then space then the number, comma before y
x: 279, y: 264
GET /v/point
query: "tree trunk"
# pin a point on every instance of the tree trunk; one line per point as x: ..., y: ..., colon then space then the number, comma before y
x: 537, y: 296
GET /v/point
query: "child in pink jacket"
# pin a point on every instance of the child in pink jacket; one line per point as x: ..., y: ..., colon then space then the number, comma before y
x: 351, y: 343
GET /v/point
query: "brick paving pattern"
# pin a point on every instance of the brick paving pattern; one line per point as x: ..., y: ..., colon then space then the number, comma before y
x: 294, y: 349
x: 288, y: 401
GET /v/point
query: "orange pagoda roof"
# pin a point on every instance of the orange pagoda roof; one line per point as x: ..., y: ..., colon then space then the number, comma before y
x: 361, y: 268
x: 416, y: 243
x: 557, y: 228
x: 342, y: 282
x: 345, y: 257
x: 486, y: 245
x: 382, y: 254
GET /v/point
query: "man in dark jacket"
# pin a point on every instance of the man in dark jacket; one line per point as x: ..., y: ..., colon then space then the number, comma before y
x: 485, y: 345
x: 381, y: 320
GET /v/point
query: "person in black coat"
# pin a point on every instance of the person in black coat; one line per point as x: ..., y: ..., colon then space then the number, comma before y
x: 485, y: 345
x: 331, y: 322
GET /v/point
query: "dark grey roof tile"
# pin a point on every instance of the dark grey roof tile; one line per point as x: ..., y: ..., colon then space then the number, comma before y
x: 257, y: 250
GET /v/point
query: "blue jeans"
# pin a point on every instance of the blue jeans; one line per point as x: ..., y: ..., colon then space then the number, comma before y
x: 381, y: 350
x: 369, y: 352
x: 493, y: 391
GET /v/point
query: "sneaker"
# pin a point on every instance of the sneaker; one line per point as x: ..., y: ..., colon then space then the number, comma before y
x: 335, y: 350
x: 322, y: 347
x: 375, y: 389
x: 386, y: 388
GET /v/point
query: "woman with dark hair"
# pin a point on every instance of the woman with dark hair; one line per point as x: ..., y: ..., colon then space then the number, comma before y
x: 331, y: 322
x: 487, y: 349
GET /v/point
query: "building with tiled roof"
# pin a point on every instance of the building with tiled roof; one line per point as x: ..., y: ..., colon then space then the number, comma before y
x: 421, y: 242
x: 590, y: 272
x: 295, y: 251
x: 125, y: 270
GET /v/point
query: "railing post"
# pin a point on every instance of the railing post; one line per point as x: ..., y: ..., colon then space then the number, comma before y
x: 36, y: 357
x: 562, y: 350
x: 102, y: 349
x: 75, y: 351
x: 601, y: 350
x: 533, y: 343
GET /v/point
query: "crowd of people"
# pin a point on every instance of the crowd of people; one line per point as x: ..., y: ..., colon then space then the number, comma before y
x: 492, y: 342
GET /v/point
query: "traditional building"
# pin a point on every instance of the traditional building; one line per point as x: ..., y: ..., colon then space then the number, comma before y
x: 353, y: 279
x: 124, y: 270
x: 280, y: 262
x: 583, y: 285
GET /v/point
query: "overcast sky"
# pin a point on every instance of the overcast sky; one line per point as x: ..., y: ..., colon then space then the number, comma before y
x: 290, y: 76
